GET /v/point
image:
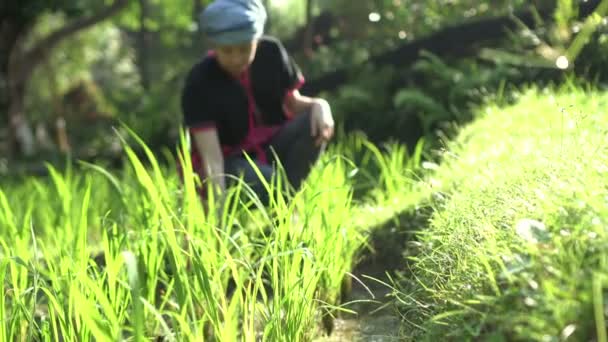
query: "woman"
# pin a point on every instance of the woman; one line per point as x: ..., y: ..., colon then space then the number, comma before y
x: 243, y: 98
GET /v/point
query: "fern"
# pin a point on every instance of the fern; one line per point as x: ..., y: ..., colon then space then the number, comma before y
x: 426, y: 107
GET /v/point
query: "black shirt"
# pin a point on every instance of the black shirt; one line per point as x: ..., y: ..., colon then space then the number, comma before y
x: 212, y: 97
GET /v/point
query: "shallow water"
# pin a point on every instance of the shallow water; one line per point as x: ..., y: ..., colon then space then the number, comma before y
x: 380, y: 328
x: 376, y: 320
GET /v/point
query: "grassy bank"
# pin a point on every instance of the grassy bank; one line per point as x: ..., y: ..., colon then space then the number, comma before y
x: 106, y: 255
x: 517, y: 244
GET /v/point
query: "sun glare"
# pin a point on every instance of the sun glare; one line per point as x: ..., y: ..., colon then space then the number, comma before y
x: 279, y: 3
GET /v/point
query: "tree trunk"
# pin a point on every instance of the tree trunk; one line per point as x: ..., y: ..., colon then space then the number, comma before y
x: 11, y: 28
x: 5, y: 136
x: 143, y: 38
x: 4, y: 131
x: 309, y: 30
x: 197, y: 8
x: 61, y: 135
x: 21, y: 134
x: 7, y: 40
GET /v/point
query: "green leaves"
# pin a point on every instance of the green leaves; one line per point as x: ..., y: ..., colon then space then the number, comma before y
x: 129, y: 254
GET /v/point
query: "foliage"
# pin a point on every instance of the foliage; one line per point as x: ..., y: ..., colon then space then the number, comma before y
x: 591, y: 60
x: 435, y: 92
x: 70, y: 65
x: 439, y: 92
x: 285, y: 17
x: 145, y: 261
x: 365, y: 104
x: 412, y: 101
x: 31, y: 10
x: 399, y: 22
x: 515, y: 249
x: 449, y: 89
x: 109, y: 57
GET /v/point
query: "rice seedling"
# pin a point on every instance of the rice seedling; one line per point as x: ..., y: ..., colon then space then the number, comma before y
x: 93, y: 253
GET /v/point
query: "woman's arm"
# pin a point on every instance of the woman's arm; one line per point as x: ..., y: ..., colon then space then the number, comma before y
x: 208, y: 146
x: 321, y: 118
x: 297, y: 103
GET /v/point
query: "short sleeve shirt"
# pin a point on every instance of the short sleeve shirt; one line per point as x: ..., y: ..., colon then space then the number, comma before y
x: 213, y: 98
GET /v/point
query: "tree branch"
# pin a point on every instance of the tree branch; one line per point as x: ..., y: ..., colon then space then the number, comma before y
x: 40, y: 50
x: 458, y: 40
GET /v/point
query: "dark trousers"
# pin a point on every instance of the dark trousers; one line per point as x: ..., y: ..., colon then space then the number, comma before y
x: 294, y: 147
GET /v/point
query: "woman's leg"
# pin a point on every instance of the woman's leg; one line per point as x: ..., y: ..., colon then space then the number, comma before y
x: 239, y: 166
x: 295, y: 148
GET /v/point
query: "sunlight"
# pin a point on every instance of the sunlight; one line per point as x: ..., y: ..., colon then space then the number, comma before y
x: 279, y: 3
x: 562, y: 62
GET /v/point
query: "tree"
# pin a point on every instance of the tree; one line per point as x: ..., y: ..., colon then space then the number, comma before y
x: 461, y: 39
x: 143, y: 44
x: 18, y: 61
x: 308, y: 35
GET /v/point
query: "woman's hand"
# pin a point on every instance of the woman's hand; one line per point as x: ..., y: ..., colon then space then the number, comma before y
x: 321, y: 121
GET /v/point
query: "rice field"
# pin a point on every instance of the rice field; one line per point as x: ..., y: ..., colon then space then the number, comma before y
x: 90, y: 253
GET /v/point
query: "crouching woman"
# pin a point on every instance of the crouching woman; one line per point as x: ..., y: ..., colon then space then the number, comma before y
x: 242, y: 99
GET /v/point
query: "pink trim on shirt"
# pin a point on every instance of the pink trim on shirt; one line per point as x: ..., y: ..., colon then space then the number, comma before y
x: 258, y: 134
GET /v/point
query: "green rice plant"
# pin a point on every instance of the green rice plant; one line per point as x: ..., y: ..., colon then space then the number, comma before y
x: 92, y: 253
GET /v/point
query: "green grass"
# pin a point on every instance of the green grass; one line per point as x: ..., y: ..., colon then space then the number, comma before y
x: 93, y: 254
x: 517, y: 245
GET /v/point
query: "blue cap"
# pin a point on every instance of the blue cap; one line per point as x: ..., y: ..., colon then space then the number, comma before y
x: 228, y: 22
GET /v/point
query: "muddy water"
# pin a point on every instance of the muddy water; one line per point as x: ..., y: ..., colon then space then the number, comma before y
x: 381, y: 328
x: 376, y: 319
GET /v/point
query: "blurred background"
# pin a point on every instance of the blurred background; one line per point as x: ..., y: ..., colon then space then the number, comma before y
x: 75, y: 73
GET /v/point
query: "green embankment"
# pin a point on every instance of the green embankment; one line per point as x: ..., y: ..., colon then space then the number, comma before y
x: 517, y: 243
